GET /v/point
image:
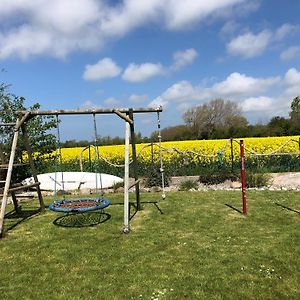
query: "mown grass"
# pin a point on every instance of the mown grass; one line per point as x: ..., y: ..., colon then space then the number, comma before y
x: 189, y: 246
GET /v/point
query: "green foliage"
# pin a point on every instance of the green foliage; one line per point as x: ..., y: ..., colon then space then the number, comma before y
x: 118, y: 185
x: 188, y: 185
x: 273, y: 164
x: 216, y: 178
x: 153, y: 177
x: 174, y: 133
x: 295, y: 115
x: 257, y: 180
x: 41, y: 141
x: 279, y: 126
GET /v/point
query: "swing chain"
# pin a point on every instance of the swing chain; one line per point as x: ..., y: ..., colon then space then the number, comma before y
x: 160, y: 157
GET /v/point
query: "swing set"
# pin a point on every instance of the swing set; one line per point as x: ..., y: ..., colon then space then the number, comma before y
x: 82, y: 204
x: 77, y: 205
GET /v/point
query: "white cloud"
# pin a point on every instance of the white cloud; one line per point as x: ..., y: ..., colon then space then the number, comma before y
x: 107, y: 68
x: 257, y: 104
x: 236, y: 85
x: 292, y: 77
x: 229, y: 28
x: 104, y: 68
x: 183, y: 58
x: 111, y: 101
x: 256, y: 95
x: 284, y: 30
x: 138, y: 98
x: 290, y: 53
x: 48, y: 27
x: 179, y: 92
x: 143, y: 72
x: 249, y: 45
x: 182, y: 14
x: 88, y: 104
x: 292, y: 83
x: 59, y: 27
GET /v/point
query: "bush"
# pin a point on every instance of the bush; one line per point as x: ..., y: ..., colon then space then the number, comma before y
x: 217, y: 178
x: 188, y: 185
x: 154, y: 177
x: 118, y: 185
x: 257, y: 179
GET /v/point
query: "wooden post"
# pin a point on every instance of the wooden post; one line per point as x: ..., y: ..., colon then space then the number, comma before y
x: 15, y: 201
x: 126, y: 228
x: 8, y: 179
x: 243, y: 177
x: 2, y: 156
x: 134, y: 159
x: 32, y: 167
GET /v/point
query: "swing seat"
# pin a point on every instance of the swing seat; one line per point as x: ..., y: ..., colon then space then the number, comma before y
x: 79, y: 205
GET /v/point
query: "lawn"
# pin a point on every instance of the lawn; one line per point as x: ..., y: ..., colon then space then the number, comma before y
x: 190, y: 246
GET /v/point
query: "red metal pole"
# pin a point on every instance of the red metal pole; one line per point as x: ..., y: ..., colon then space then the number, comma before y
x: 243, y: 177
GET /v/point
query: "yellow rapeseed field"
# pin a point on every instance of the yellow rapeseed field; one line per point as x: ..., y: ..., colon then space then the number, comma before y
x: 198, y: 150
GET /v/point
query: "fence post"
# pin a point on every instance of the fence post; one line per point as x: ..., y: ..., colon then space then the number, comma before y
x: 243, y: 177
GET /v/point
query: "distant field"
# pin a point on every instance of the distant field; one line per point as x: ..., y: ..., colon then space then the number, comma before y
x: 189, y: 246
x: 208, y: 149
x: 196, y: 157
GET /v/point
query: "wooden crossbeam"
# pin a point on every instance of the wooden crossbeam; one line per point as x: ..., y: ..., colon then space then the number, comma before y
x: 89, y: 111
x: 134, y: 184
x: 5, y: 166
x: 22, y: 120
x: 123, y: 116
x: 23, y: 187
x: 8, y: 124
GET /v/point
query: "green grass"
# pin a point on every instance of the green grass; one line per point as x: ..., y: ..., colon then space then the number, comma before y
x: 192, y: 247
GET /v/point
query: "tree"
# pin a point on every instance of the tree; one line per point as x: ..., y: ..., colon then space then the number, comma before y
x: 215, y: 118
x: 173, y: 133
x: 279, y: 126
x: 41, y: 141
x: 295, y: 116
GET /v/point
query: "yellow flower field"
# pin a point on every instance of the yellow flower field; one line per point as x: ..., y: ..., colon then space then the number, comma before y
x: 198, y: 150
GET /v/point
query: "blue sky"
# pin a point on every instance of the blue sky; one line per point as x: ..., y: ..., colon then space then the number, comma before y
x: 68, y: 54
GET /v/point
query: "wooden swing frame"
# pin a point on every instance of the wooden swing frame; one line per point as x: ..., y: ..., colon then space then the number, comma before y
x: 127, y: 114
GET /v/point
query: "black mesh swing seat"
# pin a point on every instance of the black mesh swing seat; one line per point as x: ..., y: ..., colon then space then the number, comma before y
x: 80, y: 205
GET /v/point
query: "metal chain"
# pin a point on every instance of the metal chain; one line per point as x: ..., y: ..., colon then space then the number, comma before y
x: 163, y: 195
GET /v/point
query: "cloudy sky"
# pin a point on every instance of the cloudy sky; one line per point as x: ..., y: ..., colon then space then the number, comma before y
x: 68, y: 54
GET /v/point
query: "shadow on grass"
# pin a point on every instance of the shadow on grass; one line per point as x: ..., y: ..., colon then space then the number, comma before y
x: 155, y: 204
x: 19, y: 217
x: 234, y: 208
x: 131, y: 204
x: 288, y: 208
x: 87, y: 219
